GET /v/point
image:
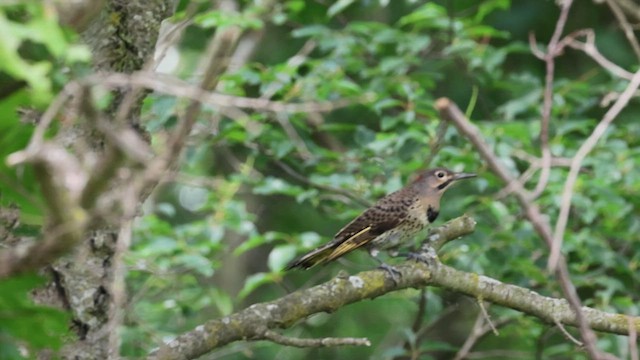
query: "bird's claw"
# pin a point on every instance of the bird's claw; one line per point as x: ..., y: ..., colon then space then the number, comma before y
x: 394, y: 273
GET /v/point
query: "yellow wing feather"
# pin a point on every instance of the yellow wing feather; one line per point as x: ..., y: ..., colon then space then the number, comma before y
x: 355, y: 241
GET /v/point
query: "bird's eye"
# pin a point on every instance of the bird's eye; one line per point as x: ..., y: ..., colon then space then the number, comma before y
x: 440, y: 174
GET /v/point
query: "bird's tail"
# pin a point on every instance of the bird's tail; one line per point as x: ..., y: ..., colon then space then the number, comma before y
x: 315, y: 257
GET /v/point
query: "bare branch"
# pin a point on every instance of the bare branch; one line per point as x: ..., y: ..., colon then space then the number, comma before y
x: 566, y: 333
x: 62, y: 181
x: 484, y: 313
x: 471, y: 339
x: 43, y: 124
x: 626, y: 27
x: 478, y: 331
x: 631, y: 7
x: 451, y: 112
x: 591, y: 50
x: 324, y: 342
x: 533, y: 46
x: 553, y: 49
x: 293, y: 135
x: 535, y: 165
x: 303, y: 179
x: 173, y: 86
x: 583, y: 151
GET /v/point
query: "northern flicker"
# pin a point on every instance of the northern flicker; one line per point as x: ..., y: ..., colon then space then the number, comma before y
x: 390, y: 222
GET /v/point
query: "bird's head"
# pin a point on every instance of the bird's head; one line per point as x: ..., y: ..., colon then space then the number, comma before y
x: 436, y: 181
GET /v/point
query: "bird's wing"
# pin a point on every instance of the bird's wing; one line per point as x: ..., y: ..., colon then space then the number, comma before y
x: 366, y: 227
x: 386, y: 214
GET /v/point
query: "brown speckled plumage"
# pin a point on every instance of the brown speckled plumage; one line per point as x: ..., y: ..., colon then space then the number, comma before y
x: 390, y: 222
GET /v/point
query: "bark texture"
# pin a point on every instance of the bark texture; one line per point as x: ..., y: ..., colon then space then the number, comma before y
x: 122, y: 38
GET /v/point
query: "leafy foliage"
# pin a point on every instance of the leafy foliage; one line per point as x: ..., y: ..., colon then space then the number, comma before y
x: 35, y: 55
x: 39, y: 327
x: 256, y: 188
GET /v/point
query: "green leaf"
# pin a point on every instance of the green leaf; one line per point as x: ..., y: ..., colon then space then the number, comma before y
x: 427, y: 15
x: 219, y: 19
x: 338, y: 7
x: 310, y: 31
x: 222, y: 301
x: 364, y: 136
x: 258, y: 239
x: 254, y: 281
x: 196, y: 262
x: 160, y: 245
x: 280, y: 256
x: 487, y: 7
x: 272, y: 185
x: 39, y: 326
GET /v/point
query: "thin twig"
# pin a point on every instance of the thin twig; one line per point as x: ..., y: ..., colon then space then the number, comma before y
x: 293, y: 62
x: 553, y: 49
x: 520, y: 181
x: 576, y: 163
x: 471, y: 340
x: 478, y: 331
x: 534, y: 165
x: 626, y: 27
x: 61, y: 179
x: 484, y: 312
x: 45, y: 121
x: 293, y: 135
x: 631, y: 7
x: 589, y: 48
x: 410, y: 343
x: 173, y: 86
x: 533, y: 46
x: 213, y: 63
x: 566, y: 333
x: 348, y: 194
x: 324, y: 342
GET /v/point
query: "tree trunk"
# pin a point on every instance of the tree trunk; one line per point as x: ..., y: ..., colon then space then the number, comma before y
x: 122, y: 39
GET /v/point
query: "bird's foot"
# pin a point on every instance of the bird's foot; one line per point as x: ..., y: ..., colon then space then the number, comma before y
x: 394, y: 273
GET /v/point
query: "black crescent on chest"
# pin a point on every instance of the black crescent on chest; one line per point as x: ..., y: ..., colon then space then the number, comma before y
x: 432, y: 214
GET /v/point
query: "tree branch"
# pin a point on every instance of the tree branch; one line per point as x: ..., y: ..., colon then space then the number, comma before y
x: 450, y: 112
x: 553, y: 49
x: 61, y: 179
x: 324, y: 342
x: 340, y: 291
x: 576, y: 163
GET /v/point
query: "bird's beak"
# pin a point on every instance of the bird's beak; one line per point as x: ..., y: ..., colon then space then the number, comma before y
x: 460, y: 176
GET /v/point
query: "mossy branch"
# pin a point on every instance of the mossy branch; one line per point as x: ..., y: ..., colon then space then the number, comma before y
x: 253, y: 322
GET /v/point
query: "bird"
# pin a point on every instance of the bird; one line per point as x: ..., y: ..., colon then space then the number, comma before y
x: 390, y: 222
